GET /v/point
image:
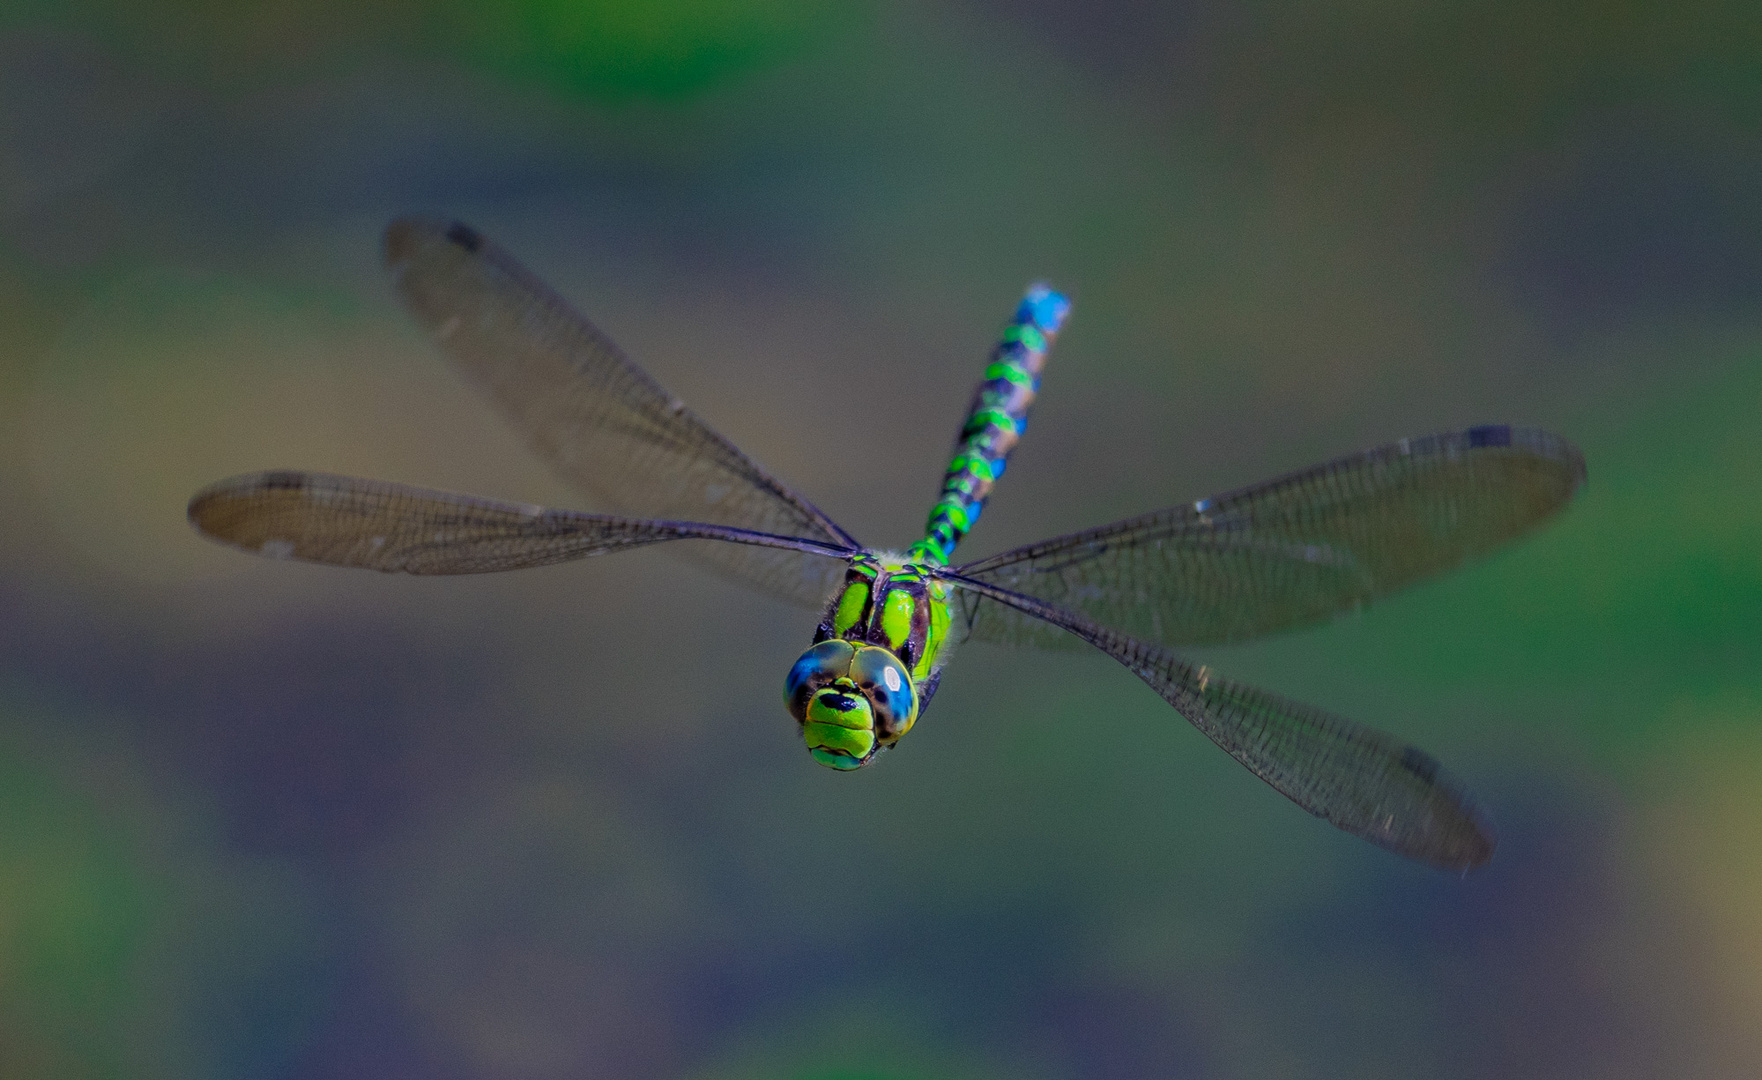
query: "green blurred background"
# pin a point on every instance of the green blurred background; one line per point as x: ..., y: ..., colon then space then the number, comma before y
x: 273, y: 821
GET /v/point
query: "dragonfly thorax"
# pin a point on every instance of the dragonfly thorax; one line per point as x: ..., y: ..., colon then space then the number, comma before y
x: 873, y: 665
x: 892, y: 602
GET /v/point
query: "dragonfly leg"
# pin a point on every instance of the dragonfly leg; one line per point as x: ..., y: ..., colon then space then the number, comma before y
x: 927, y: 690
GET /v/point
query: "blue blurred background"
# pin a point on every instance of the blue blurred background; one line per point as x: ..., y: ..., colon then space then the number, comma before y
x: 261, y: 820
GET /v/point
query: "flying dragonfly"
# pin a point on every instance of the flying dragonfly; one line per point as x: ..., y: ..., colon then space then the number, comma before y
x: 1281, y: 554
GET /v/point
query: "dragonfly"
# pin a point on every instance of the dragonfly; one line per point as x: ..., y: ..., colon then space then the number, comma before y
x: 1282, y: 554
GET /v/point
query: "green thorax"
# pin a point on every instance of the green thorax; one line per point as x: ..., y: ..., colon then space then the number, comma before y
x: 895, y: 602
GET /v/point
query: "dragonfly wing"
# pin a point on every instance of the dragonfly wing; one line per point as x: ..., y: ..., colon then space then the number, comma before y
x: 344, y: 521
x: 599, y: 420
x: 1364, y: 781
x: 1297, y: 549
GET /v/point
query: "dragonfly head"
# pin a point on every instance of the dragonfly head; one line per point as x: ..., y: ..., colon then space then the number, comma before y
x: 851, y: 700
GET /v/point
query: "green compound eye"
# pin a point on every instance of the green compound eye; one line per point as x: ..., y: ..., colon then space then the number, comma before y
x: 885, y: 682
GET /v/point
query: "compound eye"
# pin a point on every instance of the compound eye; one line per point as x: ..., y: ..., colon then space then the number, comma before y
x: 887, y: 685
x: 819, y: 667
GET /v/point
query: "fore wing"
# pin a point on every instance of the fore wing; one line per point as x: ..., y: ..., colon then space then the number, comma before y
x: 1364, y: 781
x: 373, y: 525
x: 596, y: 418
x: 1293, y: 550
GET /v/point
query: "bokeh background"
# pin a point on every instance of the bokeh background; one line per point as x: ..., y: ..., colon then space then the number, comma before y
x: 276, y: 821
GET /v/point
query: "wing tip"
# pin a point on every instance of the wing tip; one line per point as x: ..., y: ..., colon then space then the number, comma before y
x: 1459, y: 836
x: 408, y: 237
x: 1473, y: 851
x: 205, y: 502
x: 1538, y: 442
x: 206, y: 510
x: 1463, y: 846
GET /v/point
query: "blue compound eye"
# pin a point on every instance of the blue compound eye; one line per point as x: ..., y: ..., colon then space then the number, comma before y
x: 887, y: 685
x: 819, y: 667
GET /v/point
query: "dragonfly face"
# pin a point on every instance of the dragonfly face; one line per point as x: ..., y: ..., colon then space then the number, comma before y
x: 852, y: 701
x: 872, y: 667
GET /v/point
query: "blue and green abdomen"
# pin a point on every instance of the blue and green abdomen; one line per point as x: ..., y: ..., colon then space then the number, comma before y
x: 995, y: 421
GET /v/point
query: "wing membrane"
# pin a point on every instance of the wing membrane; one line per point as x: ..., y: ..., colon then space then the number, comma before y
x: 1359, y: 779
x: 601, y: 422
x: 1293, y: 550
x: 373, y: 525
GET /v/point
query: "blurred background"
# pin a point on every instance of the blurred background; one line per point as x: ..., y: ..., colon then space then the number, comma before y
x: 263, y: 820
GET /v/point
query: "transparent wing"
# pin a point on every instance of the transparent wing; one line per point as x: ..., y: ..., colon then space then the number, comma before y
x: 1293, y: 550
x: 600, y: 421
x: 1359, y: 779
x: 344, y: 521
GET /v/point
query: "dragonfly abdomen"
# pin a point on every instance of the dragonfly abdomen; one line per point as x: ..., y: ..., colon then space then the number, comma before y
x: 994, y: 422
